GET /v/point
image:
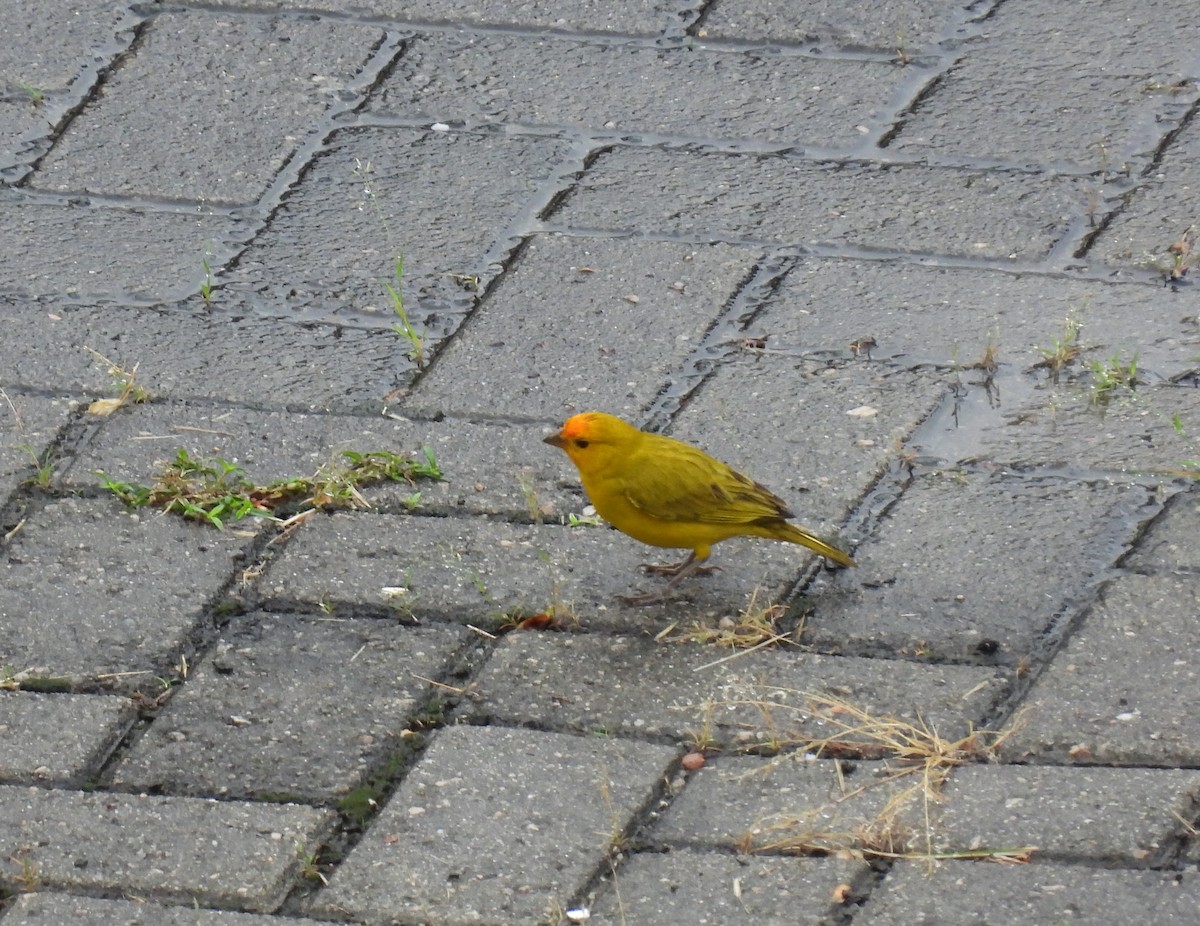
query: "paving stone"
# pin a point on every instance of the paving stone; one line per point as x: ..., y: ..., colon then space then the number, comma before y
x: 798, y: 428
x: 29, y: 424
x: 143, y: 136
x: 1146, y: 432
x: 974, y: 894
x: 465, y: 568
x: 100, y: 595
x: 554, y: 338
x: 1107, y: 85
x: 1001, y: 591
x: 622, y: 90
x: 311, y: 366
x: 949, y: 317
x: 42, y: 908
x: 449, y: 203
x: 182, y: 849
x: 630, y: 686
x: 889, y: 25
x: 1170, y: 543
x: 1087, y: 707
x: 48, y: 44
x: 908, y: 209
x: 59, y: 738
x: 1125, y: 815
x: 626, y: 17
x: 484, y: 572
x: 302, y: 707
x: 494, y: 468
x: 552, y: 803
x: 664, y: 889
x: 1160, y: 211
x: 793, y: 802
x: 110, y: 254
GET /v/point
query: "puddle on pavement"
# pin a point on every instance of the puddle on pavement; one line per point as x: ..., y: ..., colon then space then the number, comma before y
x: 954, y: 432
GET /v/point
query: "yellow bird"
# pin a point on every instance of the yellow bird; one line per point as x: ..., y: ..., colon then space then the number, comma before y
x: 666, y: 493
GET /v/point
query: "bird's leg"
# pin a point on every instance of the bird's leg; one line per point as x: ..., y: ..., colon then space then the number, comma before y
x: 676, y: 571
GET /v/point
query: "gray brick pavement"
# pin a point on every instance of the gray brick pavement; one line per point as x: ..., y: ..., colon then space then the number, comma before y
x: 836, y: 244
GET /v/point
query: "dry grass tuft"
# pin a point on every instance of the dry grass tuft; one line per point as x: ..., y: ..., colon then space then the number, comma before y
x: 757, y: 624
x: 917, y: 763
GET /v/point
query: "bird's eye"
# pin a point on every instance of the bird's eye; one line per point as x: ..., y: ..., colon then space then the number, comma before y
x: 580, y: 443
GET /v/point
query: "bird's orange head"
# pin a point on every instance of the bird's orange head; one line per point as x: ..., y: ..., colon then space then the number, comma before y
x: 595, y: 441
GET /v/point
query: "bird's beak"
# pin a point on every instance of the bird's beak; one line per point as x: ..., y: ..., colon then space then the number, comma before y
x: 555, y: 440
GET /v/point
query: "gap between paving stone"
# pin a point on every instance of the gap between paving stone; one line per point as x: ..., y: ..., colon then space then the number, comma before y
x: 1148, y: 434
x: 1156, y: 217
x: 1086, y: 116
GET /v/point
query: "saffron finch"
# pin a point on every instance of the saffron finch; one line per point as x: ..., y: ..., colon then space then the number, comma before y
x: 666, y: 493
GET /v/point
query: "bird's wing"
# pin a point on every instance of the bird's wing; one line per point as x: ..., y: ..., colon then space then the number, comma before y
x: 698, y: 491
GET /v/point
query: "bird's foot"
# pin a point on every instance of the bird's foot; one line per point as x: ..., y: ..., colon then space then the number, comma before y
x: 641, y: 601
x: 677, y: 571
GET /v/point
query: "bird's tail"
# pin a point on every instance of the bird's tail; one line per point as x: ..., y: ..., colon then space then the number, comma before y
x: 784, y: 530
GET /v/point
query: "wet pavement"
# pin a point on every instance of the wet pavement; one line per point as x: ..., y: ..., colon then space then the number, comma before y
x: 920, y: 267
